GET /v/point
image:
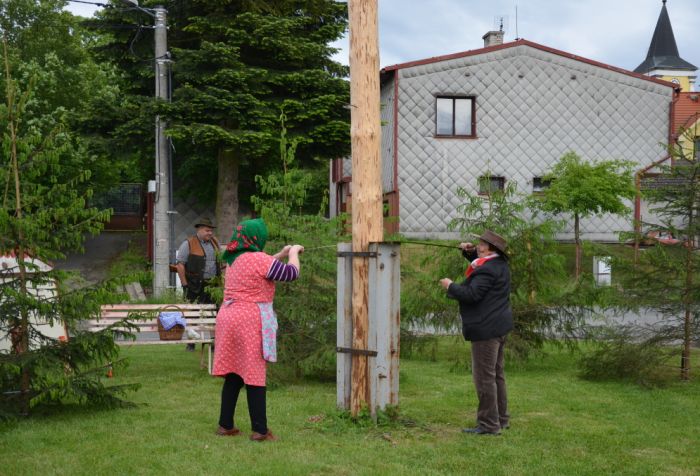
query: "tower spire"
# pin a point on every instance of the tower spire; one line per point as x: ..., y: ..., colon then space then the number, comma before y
x: 663, y: 52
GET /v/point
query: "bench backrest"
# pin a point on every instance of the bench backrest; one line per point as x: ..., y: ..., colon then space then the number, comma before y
x: 145, y: 315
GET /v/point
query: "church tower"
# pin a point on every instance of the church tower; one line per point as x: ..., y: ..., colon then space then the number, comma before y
x: 662, y: 59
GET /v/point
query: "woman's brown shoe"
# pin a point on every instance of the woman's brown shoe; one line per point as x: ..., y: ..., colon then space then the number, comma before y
x: 221, y: 431
x: 260, y: 437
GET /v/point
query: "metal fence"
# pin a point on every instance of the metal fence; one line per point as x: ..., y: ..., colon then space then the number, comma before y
x: 124, y: 199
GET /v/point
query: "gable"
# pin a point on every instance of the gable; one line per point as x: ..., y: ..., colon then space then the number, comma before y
x: 532, y: 107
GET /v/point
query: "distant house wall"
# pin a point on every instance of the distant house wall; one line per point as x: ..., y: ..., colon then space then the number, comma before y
x: 9, y: 271
x: 532, y: 107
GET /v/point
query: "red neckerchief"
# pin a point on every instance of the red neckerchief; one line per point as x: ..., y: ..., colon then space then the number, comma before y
x: 478, y: 262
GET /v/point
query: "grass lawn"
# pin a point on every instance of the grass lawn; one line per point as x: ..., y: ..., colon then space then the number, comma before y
x: 560, y: 425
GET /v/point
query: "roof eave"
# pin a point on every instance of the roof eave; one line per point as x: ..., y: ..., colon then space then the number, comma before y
x: 512, y: 44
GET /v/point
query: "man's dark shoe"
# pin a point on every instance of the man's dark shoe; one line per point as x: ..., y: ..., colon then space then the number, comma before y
x: 480, y: 431
x: 505, y: 427
x: 190, y: 348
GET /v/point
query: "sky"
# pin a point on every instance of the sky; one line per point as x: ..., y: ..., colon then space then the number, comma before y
x: 616, y: 32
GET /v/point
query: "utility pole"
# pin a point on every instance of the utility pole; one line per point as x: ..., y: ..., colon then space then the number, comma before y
x: 161, y: 216
x: 367, y: 218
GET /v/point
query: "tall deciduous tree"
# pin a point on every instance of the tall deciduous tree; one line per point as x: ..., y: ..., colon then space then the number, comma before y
x: 50, y: 46
x: 587, y: 188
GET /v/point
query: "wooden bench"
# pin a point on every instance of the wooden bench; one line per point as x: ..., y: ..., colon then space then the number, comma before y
x: 200, y: 317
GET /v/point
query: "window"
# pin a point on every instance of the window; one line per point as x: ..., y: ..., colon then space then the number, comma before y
x: 455, y: 117
x: 697, y: 148
x: 490, y: 184
x: 602, y: 271
x: 539, y: 184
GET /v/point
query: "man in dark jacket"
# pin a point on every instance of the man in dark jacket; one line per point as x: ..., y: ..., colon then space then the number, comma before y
x: 484, y: 305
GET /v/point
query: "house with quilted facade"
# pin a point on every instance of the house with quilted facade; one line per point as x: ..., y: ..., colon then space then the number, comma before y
x: 507, y: 112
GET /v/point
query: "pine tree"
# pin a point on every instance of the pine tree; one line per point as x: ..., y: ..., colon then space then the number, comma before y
x: 236, y: 65
x: 545, y: 304
x: 44, y: 212
x: 666, y: 278
x: 306, y: 309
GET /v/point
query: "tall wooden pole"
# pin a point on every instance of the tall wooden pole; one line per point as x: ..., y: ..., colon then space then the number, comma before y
x: 367, y: 219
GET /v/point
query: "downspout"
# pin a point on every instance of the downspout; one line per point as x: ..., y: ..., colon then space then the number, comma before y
x: 672, y: 132
x: 638, y: 175
x: 637, y: 213
x: 637, y: 202
x: 396, y: 149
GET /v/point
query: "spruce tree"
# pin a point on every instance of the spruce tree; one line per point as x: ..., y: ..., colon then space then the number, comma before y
x: 236, y: 66
x: 44, y: 212
x: 666, y: 279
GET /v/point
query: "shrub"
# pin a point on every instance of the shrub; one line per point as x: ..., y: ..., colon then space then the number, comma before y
x: 628, y: 353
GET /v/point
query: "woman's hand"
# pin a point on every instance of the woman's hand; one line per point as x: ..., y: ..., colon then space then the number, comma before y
x: 466, y: 246
x: 283, y: 253
x: 294, y: 252
x: 445, y: 282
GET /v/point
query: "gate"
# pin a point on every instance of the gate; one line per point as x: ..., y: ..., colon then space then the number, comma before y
x: 128, y: 208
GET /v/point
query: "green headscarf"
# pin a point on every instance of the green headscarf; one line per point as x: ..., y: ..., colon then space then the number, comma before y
x: 255, y: 231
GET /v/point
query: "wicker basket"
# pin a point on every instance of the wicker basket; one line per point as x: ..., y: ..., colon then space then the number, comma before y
x: 174, y: 333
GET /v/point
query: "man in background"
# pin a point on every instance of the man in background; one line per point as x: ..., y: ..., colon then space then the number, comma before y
x: 197, y: 264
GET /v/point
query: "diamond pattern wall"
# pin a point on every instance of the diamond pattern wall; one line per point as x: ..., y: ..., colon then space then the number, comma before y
x: 387, y: 131
x: 532, y: 107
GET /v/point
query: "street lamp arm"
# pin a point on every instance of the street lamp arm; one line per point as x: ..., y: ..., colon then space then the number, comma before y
x: 135, y: 5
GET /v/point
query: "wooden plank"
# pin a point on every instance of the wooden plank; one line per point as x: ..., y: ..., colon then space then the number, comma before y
x: 194, y: 325
x: 123, y: 314
x: 164, y: 342
x: 190, y: 322
x: 344, y: 327
x: 156, y: 307
x: 384, y: 315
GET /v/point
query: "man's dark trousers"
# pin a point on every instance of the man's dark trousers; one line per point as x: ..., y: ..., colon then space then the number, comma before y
x: 490, y: 382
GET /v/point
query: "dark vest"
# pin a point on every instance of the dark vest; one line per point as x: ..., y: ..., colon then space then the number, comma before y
x: 196, y: 261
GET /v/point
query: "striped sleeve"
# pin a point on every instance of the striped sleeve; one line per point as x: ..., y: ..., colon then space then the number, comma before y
x: 282, y: 272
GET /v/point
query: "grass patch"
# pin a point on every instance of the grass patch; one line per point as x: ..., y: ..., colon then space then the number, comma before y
x: 560, y: 425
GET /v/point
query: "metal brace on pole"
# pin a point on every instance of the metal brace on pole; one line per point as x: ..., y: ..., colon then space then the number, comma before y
x: 357, y: 254
x: 348, y: 350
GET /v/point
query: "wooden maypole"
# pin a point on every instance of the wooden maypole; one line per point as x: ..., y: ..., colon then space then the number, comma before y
x: 367, y: 219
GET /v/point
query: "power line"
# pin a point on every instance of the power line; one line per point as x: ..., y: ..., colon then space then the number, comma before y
x: 106, y: 5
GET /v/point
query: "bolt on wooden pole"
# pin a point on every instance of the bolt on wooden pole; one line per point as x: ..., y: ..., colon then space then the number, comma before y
x: 367, y: 219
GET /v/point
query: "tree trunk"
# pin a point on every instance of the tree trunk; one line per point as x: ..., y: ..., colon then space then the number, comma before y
x: 532, y: 286
x: 685, y: 357
x: 577, y: 238
x: 687, y: 304
x: 19, y: 333
x: 23, y: 335
x: 226, y: 194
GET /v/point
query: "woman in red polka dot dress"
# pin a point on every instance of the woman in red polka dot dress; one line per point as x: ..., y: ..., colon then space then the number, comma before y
x: 246, y: 325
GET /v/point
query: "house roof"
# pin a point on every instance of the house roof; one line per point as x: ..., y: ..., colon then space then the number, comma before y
x: 522, y: 42
x: 663, y: 52
x: 686, y: 110
x: 8, y: 263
